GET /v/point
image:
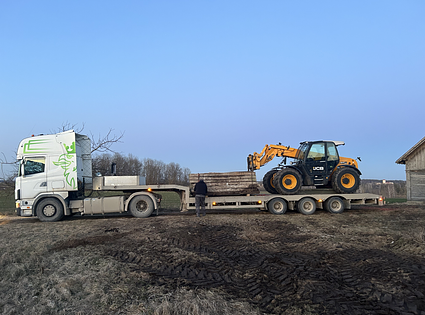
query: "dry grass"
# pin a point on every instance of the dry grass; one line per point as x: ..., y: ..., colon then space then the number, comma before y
x: 40, y: 275
x: 199, y: 302
x: 37, y: 279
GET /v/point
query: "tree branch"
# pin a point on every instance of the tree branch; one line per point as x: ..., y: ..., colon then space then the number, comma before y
x: 103, y: 144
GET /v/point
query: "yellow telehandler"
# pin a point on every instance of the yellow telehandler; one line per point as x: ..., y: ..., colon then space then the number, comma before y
x: 316, y: 163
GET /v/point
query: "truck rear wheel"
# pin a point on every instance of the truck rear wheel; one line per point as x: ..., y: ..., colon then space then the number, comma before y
x: 287, y: 181
x: 307, y: 206
x: 49, y: 210
x: 141, y: 206
x: 334, y: 205
x: 268, y: 182
x: 277, y: 206
x: 346, y: 180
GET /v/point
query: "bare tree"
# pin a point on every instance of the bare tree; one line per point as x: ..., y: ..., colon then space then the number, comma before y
x: 126, y: 165
x: 104, y: 143
x: 100, y: 143
x: 153, y: 171
x: 7, y: 177
x: 157, y: 172
x: 68, y: 126
x: 173, y: 172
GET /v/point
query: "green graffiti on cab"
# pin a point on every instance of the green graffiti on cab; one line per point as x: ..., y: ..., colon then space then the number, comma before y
x: 65, y: 161
x: 33, y: 146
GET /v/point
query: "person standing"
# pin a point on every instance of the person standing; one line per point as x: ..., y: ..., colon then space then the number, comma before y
x: 200, y: 193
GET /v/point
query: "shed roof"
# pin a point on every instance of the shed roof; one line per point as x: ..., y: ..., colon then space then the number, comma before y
x: 405, y: 156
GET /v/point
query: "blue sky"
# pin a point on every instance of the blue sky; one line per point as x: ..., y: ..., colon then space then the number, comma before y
x: 205, y: 83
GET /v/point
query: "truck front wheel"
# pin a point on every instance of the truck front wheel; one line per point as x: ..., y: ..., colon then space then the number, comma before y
x: 141, y: 206
x: 49, y: 210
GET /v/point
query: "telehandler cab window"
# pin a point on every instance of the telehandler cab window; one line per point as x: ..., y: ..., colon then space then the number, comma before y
x: 34, y: 165
x: 317, y: 152
x: 302, y: 150
x: 332, y: 152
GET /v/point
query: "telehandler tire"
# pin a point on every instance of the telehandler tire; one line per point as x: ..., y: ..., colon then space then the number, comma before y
x: 141, y: 206
x: 287, y: 181
x: 268, y: 181
x: 345, y: 180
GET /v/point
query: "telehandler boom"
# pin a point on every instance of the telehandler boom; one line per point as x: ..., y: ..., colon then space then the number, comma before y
x: 317, y: 163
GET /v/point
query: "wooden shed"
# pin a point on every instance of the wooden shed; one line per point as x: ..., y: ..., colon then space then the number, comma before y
x: 414, y: 159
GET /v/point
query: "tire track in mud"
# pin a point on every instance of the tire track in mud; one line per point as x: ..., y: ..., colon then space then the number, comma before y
x: 275, y: 275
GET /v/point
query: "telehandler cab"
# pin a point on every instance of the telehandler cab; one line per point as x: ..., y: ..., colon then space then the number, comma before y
x: 317, y: 163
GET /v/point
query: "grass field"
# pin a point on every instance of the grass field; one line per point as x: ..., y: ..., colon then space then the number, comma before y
x: 7, y: 202
x: 395, y: 200
x: 365, y: 261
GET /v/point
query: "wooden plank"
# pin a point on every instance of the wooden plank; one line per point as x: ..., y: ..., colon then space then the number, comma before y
x: 227, y: 184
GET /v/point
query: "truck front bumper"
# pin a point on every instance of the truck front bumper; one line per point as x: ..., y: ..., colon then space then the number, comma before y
x: 25, y: 211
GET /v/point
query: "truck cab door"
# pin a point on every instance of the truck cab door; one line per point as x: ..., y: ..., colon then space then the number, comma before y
x: 315, y: 163
x: 32, y: 179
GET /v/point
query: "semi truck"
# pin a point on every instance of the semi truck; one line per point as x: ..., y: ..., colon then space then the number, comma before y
x: 55, y: 172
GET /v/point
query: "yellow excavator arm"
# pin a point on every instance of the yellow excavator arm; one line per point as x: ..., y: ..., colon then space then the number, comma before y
x: 269, y: 152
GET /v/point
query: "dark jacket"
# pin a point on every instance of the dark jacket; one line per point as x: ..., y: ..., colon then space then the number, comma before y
x: 201, y: 188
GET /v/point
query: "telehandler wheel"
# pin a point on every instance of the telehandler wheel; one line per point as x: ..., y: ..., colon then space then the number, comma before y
x: 287, y: 181
x: 141, y: 206
x: 307, y: 206
x: 346, y: 180
x: 268, y: 182
x: 49, y: 210
x: 334, y: 205
x: 277, y: 206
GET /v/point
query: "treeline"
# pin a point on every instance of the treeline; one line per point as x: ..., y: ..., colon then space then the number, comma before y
x: 156, y: 172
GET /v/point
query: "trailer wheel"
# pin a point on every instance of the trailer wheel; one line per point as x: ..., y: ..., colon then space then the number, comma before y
x: 334, y: 205
x: 141, y: 206
x: 277, y: 206
x: 49, y: 210
x: 307, y: 206
x: 346, y: 180
x: 287, y: 181
x: 268, y: 182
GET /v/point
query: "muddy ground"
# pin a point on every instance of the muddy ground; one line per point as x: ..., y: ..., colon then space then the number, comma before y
x: 368, y: 260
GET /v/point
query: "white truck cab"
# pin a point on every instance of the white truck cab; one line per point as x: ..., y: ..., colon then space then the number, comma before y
x: 55, y: 171
x: 51, y: 167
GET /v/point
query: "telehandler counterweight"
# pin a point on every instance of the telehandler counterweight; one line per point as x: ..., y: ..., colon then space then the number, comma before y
x: 317, y: 163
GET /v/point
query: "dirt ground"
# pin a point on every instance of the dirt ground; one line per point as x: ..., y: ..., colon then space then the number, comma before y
x: 368, y: 260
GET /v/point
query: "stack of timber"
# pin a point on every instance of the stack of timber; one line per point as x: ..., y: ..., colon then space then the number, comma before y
x: 227, y: 184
